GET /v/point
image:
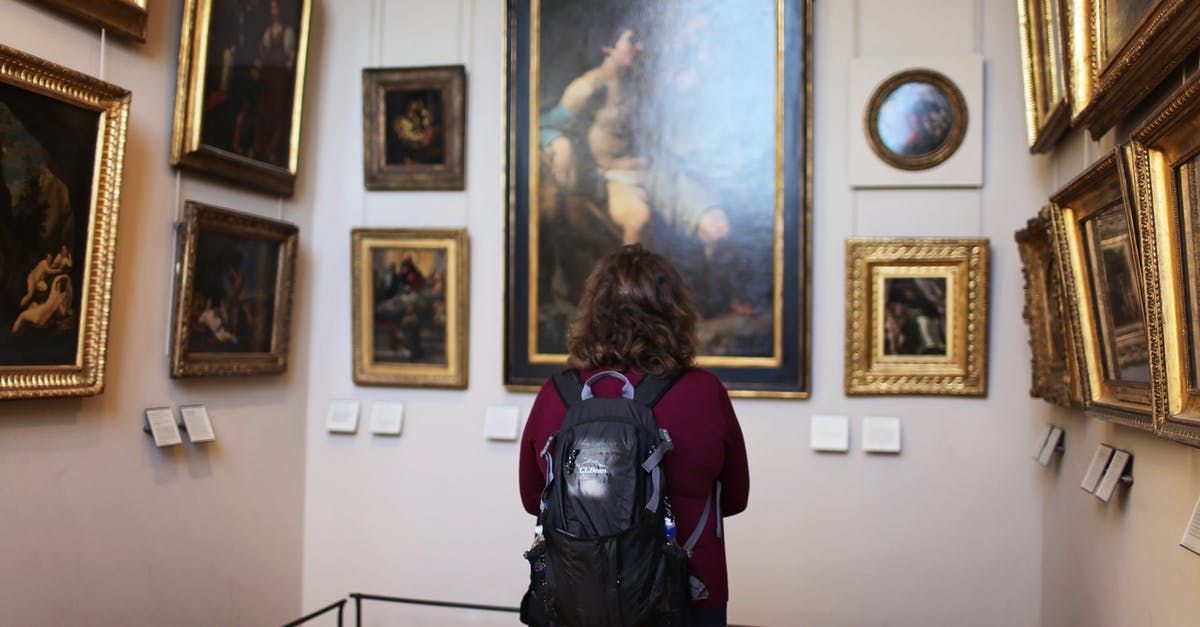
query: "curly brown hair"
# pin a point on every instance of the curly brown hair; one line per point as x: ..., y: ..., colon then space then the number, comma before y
x: 636, y: 312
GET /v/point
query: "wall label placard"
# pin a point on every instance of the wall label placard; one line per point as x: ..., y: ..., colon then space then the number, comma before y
x: 1096, y: 469
x: 1051, y: 442
x: 1114, y: 475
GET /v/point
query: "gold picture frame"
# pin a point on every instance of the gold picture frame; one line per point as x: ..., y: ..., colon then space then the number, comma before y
x: 240, y: 90
x: 1120, y: 51
x: 1096, y: 235
x: 410, y: 307
x: 1043, y: 25
x: 124, y: 17
x: 57, y: 238
x: 234, y: 283
x: 1167, y: 170
x: 915, y: 119
x: 916, y: 316
x: 1053, y: 368
x: 414, y: 128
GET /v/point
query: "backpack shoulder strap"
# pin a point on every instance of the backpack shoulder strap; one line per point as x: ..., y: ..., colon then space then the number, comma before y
x: 568, y: 385
x: 651, y: 389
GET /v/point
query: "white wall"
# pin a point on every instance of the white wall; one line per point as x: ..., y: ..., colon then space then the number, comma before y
x: 948, y: 533
x: 98, y: 526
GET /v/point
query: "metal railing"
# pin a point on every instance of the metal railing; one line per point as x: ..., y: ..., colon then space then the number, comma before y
x: 359, y: 598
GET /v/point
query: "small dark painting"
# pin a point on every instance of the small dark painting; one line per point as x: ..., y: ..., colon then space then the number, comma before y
x: 915, y: 316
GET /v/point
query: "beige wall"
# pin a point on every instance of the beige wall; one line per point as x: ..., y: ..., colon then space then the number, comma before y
x: 279, y: 517
x: 948, y: 533
x: 98, y: 527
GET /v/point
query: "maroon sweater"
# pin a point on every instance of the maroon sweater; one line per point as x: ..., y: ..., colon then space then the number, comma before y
x: 696, y: 411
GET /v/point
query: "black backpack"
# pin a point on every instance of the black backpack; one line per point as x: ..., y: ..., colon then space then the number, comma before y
x: 603, y: 558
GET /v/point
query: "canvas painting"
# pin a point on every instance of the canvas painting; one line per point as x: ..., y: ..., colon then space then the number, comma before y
x: 233, y: 293
x: 410, y: 307
x: 62, y: 141
x: 680, y: 126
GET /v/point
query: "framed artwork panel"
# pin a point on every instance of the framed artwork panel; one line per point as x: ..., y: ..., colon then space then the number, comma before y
x: 414, y: 127
x: 62, y: 147
x: 1120, y: 51
x: 1053, y: 367
x: 240, y: 89
x: 1102, y: 275
x: 1166, y: 151
x: 124, y: 17
x: 235, y: 278
x: 916, y: 316
x: 1045, y: 71
x: 921, y: 121
x: 410, y: 307
x: 683, y: 126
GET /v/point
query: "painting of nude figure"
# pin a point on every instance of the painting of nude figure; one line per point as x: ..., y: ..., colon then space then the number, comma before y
x: 62, y: 137
x: 233, y: 293
x: 682, y: 126
x: 46, y: 150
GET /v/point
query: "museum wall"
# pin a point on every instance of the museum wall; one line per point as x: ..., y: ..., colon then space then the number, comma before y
x: 946, y: 533
x: 279, y: 516
x: 100, y: 527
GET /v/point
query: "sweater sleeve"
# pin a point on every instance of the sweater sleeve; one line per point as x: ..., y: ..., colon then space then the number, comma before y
x: 531, y: 472
x: 735, y: 476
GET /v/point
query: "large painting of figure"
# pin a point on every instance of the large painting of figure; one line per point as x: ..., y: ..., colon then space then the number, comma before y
x: 233, y: 293
x: 410, y: 307
x: 683, y: 126
x: 62, y: 139
x: 239, y: 90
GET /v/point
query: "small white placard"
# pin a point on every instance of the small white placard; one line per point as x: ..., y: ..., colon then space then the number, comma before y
x: 1053, y: 437
x: 880, y: 434
x: 342, y: 417
x: 1191, y: 535
x: 1116, y: 468
x: 387, y: 418
x: 196, y: 423
x: 1096, y: 469
x: 829, y: 433
x: 162, y: 426
x: 500, y: 422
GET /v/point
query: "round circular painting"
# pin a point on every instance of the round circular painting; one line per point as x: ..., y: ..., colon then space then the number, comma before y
x: 916, y: 119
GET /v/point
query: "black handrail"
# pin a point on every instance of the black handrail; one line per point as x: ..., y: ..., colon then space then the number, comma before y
x: 339, y: 605
x: 359, y: 598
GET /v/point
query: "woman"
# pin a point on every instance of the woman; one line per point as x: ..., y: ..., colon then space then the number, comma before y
x: 637, y: 316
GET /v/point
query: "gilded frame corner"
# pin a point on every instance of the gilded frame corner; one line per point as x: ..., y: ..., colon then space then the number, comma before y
x: 206, y: 339
x: 1165, y: 149
x: 444, y: 171
x: 124, y: 17
x: 83, y: 375
x: 1054, y: 376
x: 1096, y: 226
x: 954, y: 138
x: 413, y: 306
x: 210, y: 132
x: 1108, y: 79
x: 885, y: 316
x: 1043, y: 26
